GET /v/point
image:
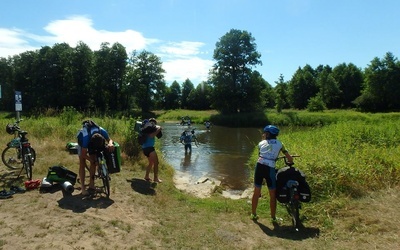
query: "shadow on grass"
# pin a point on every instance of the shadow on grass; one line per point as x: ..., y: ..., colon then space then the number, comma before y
x: 79, y: 203
x: 288, y: 232
x: 142, y: 186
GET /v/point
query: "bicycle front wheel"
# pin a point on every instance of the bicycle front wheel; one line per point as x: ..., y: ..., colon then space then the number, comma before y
x: 12, y: 158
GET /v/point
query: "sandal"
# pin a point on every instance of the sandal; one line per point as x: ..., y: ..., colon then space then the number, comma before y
x: 5, y: 194
x: 17, y: 189
x: 148, y: 179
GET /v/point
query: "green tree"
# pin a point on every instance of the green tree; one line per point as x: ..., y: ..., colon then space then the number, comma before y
x: 200, y: 97
x: 235, y: 55
x: 382, y: 85
x: 329, y: 91
x: 173, y: 96
x: 350, y: 80
x: 145, y: 76
x: 302, y: 87
x: 187, y: 87
x: 281, y: 94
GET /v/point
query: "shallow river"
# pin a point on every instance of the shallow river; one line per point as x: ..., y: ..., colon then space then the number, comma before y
x: 222, y: 153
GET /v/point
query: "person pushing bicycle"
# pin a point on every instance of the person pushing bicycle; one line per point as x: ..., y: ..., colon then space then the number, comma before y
x: 269, y: 149
x: 91, y: 138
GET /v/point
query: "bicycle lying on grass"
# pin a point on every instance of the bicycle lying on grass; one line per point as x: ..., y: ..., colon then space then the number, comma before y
x: 19, y: 153
x: 292, y: 190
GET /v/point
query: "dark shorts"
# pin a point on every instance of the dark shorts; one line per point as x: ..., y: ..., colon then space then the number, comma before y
x: 265, y: 172
x: 147, y: 151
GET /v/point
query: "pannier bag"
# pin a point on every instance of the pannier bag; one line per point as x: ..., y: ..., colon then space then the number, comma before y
x: 61, y: 174
x: 291, y: 173
x: 113, y: 159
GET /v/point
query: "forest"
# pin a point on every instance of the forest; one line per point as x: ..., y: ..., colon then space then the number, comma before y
x: 114, y: 80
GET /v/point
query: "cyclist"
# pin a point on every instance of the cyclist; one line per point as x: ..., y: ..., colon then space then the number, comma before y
x: 91, y: 138
x: 187, y: 138
x: 269, y: 149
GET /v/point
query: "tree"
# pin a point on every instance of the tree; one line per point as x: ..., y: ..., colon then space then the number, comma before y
x: 173, y: 96
x: 187, y: 87
x: 200, y: 97
x: 281, y: 94
x: 235, y: 54
x: 302, y: 87
x: 145, y: 78
x: 329, y: 91
x: 350, y: 80
x: 382, y: 85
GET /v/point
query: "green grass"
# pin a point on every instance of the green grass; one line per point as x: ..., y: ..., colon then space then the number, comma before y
x: 345, y: 157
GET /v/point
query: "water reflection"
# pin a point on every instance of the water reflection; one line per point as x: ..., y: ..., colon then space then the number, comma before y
x: 222, y: 152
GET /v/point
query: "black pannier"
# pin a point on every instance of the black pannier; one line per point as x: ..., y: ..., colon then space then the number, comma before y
x: 291, y: 173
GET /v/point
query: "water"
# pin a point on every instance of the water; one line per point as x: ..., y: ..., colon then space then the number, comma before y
x: 222, y: 153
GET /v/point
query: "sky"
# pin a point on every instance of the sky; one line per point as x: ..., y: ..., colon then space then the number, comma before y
x: 183, y: 33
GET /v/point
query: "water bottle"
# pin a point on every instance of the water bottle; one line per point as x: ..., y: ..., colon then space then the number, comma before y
x: 68, y: 187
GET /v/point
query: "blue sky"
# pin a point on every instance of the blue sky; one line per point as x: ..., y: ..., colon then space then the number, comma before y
x: 289, y: 33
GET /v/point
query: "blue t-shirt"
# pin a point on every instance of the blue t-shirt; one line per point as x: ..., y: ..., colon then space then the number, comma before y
x: 84, y: 135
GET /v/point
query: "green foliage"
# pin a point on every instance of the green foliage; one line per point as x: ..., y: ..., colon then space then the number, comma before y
x: 348, y: 158
x: 68, y: 116
x: 130, y: 140
x: 232, y: 76
x: 316, y: 104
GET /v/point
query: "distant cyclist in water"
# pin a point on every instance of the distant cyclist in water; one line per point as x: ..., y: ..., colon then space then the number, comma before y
x: 186, y: 139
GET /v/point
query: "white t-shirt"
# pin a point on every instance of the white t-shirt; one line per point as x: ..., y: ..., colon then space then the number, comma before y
x: 269, y: 151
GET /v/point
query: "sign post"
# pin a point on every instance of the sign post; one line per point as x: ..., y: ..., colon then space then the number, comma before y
x: 18, y: 103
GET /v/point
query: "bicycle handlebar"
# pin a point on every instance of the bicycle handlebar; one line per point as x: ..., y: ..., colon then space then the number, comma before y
x: 284, y: 157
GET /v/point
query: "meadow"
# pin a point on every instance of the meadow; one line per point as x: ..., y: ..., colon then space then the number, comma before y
x: 350, y: 159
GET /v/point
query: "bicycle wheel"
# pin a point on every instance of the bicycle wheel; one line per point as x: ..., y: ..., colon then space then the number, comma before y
x: 106, y: 180
x: 28, y: 163
x: 12, y: 158
x: 295, y: 213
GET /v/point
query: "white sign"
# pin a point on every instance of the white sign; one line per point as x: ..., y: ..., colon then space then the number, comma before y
x: 18, y: 101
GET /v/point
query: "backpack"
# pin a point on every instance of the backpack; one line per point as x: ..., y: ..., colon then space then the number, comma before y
x: 88, y: 125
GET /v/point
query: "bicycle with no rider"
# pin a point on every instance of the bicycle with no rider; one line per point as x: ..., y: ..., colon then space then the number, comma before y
x: 19, y: 153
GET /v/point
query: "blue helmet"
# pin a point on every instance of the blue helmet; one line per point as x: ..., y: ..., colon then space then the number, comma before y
x: 273, y: 130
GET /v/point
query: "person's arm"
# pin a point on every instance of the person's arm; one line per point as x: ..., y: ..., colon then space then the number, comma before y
x: 158, y: 129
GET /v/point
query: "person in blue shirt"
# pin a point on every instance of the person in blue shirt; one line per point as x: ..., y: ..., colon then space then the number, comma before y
x: 152, y: 130
x: 88, y: 137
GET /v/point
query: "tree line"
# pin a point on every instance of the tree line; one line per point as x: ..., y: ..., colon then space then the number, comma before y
x: 110, y: 79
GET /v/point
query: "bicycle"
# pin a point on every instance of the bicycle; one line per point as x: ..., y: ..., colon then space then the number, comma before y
x: 292, y: 191
x: 102, y: 173
x: 19, y: 152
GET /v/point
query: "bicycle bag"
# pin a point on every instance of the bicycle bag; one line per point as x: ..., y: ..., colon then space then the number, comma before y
x: 291, y: 173
x: 61, y: 174
x: 113, y: 159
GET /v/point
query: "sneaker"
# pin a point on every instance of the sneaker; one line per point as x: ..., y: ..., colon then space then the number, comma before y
x: 254, y: 217
x: 276, y: 220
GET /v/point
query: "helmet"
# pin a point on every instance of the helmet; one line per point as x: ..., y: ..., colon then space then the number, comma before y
x: 273, y: 130
x: 10, y: 129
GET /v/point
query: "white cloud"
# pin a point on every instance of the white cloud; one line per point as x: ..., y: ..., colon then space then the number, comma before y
x: 181, y: 60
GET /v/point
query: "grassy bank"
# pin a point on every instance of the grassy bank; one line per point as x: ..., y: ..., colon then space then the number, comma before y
x: 344, y: 162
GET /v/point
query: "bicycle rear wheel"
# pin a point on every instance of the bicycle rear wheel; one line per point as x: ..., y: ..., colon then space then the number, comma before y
x: 295, y: 213
x: 105, y: 179
x: 28, y: 164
